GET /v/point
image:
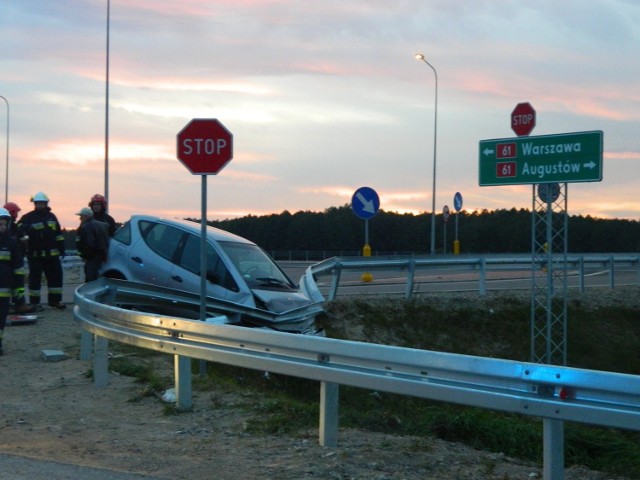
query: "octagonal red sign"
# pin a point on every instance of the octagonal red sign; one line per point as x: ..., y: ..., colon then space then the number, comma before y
x: 523, y: 119
x: 205, y: 146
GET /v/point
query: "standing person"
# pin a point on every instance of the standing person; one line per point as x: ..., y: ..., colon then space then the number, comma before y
x: 92, y: 241
x: 45, y: 248
x: 19, y: 304
x: 98, y: 205
x: 13, y: 210
x: 11, y: 268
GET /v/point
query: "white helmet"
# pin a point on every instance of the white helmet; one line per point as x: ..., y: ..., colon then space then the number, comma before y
x: 39, y: 197
x: 5, y: 213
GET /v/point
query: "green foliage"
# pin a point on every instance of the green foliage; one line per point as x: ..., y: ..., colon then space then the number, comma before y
x: 280, y: 413
x: 604, y: 449
x: 605, y: 339
x: 338, y: 230
x: 140, y: 364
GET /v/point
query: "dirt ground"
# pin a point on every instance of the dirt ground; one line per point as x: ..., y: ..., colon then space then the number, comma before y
x: 52, y: 411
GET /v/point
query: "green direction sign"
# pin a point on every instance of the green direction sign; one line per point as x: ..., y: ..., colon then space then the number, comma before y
x: 565, y: 157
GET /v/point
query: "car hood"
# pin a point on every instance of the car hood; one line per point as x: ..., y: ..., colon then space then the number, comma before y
x: 276, y: 301
x: 290, y: 311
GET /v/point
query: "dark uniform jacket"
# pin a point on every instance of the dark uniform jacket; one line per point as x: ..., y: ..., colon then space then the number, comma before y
x: 92, y: 239
x: 11, y: 265
x: 108, y: 220
x: 44, y: 232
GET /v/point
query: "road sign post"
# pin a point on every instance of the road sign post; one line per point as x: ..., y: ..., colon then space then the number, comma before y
x: 365, y: 204
x: 204, y: 147
x: 560, y: 158
x: 457, y: 205
x: 445, y: 219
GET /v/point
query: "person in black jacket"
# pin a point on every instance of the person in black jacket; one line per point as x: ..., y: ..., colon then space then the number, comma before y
x: 45, y: 248
x: 98, y: 205
x: 11, y: 268
x: 92, y: 241
x: 19, y: 304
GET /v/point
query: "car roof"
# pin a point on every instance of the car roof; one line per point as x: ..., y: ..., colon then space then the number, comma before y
x: 217, y: 234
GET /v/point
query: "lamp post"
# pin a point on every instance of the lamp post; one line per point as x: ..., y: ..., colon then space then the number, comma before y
x: 420, y: 56
x: 106, y: 114
x: 6, y: 172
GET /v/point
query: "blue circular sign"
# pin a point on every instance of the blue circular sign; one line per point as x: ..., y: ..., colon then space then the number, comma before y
x: 457, y: 201
x: 548, y: 192
x: 365, y: 202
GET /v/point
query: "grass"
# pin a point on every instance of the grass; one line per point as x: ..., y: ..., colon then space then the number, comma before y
x: 604, y: 339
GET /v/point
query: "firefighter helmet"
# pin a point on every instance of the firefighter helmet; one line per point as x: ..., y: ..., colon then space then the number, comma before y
x: 97, y: 198
x: 40, y: 197
x: 5, y: 213
x: 13, y: 209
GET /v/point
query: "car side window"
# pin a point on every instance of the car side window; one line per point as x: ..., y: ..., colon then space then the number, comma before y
x: 217, y: 271
x: 162, y: 239
x: 123, y: 234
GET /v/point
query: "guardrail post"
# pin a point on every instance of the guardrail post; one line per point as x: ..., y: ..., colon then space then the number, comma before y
x: 553, y: 448
x: 182, y: 373
x: 411, y: 270
x: 329, y: 401
x: 581, y: 274
x: 483, y: 277
x: 611, y: 273
x: 101, y: 362
x: 337, y: 272
x: 86, y: 344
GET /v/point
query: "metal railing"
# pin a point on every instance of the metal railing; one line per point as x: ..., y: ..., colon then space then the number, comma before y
x: 553, y: 393
x: 478, y: 270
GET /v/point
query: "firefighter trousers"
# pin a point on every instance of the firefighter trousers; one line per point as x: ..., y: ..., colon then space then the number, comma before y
x: 52, y: 269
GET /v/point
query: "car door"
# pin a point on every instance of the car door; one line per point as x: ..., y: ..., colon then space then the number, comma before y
x: 185, y: 274
x: 154, y: 254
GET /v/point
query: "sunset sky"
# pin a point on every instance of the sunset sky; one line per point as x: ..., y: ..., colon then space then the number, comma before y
x: 321, y: 97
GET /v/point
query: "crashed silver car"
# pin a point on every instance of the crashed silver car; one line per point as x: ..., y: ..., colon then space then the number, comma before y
x: 166, y: 253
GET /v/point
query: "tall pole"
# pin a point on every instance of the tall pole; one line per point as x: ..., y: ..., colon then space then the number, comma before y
x: 420, y: 56
x: 6, y: 172
x: 106, y: 120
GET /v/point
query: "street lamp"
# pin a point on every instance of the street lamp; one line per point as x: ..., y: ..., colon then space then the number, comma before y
x: 420, y: 56
x: 106, y: 114
x: 6, y: 172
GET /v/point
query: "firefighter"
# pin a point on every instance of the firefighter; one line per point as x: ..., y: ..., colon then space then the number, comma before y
x: 98, y: 205
x: 18, y: 301
x: 13, y: 210
x: 92, y: 242
x: 45, y: 247
x: 11, y: 268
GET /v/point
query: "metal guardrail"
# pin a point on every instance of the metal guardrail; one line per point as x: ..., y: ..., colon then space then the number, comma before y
x: 552, y: 392
x: 481, y: 267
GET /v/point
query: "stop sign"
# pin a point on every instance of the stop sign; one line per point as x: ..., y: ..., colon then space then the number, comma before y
x: 523, y: 119
x: 205, y: 146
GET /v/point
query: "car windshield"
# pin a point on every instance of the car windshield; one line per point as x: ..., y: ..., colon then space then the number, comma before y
x: 255, y: 266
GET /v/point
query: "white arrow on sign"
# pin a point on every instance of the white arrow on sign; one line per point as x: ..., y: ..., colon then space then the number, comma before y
x: 488, y: 151
x: 591, y: 165
x: 368, y: 205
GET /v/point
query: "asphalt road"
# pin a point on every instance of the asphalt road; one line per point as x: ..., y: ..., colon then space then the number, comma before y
x: 394, y: 283
x: 20, y: 468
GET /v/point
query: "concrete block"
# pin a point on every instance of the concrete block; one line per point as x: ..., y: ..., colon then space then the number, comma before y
x: 53, y: 355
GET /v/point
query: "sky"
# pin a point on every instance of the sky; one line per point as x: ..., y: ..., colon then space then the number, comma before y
x: 322, y: 98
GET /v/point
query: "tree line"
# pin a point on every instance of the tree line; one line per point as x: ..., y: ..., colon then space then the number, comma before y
x: 338, y: 229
